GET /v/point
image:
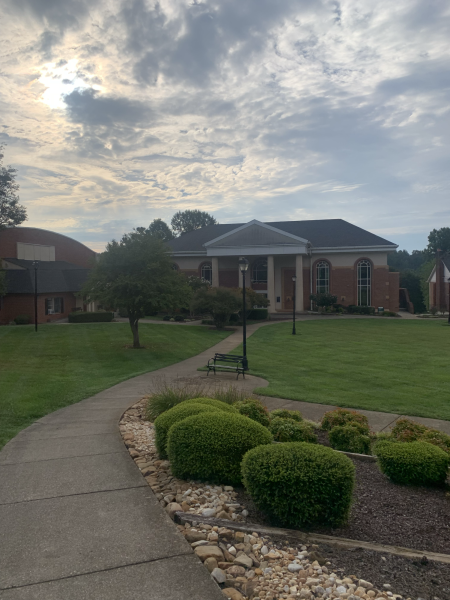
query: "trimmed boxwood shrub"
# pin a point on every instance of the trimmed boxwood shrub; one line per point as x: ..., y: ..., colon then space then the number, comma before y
x: 349, y: 439
x: 212, y: 402
x: 288, y: 430
x: 254, y: 409
x: 342, y: 416
x: 91, y: 317
x: 22, y: 320
x: 300, y: 484
x: 165, y: 421
x: 412, y: 463
x: 282, y: 413
x: 210, y: 446
x: 258, y: 314
x: 406, y: 430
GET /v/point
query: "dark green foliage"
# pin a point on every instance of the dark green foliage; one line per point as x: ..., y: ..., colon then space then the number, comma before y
x: 439, y: 239
x: 167, y: 318
x: 388, y: 313
x: 402, y: 260
x: 322, y: 299
x: 406, y: 430
x: 190, y: 220
x: 3, y: 286
x: 165, y: 421
x: 11, y: 212
x: 219, y: 302
x: 179, y: 318
x: 123, y: 313
x: 437, y: 438
x: 360, y: 310
x: 210, y: 446
x: 288, y: 430
x: 161, y: 229
x: 343, y: 416
x: 258, y: 314
x: 212, y: 402
x: 296, y: 415
x: 22, y: 320
x: 414, y: 463
x: 300, y: 484
x: 254, y: 409
x: 91, y: 317
x: 348, y: 438
x: 412, y: 282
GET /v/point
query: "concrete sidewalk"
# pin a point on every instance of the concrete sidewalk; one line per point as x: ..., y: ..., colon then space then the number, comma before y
x: 77, y: 519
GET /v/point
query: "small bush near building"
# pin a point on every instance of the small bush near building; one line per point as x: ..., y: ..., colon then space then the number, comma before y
x: 282, y: 413
x: 254, y: 409
x: 210, y: 446
x: 348, y: 438
x: 341, y: 417
x: 179, y: 318
x: 165, y: 421
x: 406, y: 430
x: 288, y: 430
x: 167, y: 317
x: 258, y: 314
x: 300, y: 484
x: 412, y: 463
x: 360, y: 310
x: 22, y: 320
x: 91, y: 317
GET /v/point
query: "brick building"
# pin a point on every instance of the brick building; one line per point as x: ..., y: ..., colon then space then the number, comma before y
x: 329, y: 255
x: 439, y: 283
x: 62, y: 268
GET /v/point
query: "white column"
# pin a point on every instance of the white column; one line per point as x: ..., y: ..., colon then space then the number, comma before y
x: 271, y: 283
x: 215, y: 271
x: 299, y: 306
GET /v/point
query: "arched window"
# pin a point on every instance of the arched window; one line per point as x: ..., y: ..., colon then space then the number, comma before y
x: 322, y: 277
x: 206, y: 272
x: 364, y: 274
x: 259, y: 271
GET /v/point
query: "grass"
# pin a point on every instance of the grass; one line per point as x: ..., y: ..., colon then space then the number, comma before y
x: 391, y: 366
x: 63, y: 364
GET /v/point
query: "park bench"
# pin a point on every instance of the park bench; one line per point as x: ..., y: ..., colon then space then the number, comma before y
x: 233, y: 362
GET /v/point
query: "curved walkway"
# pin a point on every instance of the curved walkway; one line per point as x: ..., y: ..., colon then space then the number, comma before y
x: 77, y: 519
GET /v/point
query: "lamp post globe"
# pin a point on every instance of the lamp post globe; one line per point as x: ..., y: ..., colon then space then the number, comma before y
x: 243, y: 266
x: 294, y: 281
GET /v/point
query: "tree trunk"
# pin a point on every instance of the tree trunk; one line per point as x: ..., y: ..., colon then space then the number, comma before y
x: 134, y: 324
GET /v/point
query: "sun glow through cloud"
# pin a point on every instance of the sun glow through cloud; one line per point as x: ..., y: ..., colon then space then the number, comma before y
x: 60, y: 80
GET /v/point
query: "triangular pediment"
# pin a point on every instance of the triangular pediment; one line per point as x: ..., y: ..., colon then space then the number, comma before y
x: 253, y: 234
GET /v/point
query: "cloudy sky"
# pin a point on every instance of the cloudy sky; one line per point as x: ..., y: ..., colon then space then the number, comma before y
x: 116, y: 112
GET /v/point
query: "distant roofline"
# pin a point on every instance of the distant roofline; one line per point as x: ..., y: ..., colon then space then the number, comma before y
x: 47, y: 231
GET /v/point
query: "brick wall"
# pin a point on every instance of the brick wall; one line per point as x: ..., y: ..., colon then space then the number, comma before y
x: 229, y: 278
x: 14, y: 305
x: 65, y: 248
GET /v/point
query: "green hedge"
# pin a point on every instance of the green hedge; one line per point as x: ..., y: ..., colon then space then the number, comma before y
x: 258, y: 314
x: 168, y: 418
x: 282, y: 413
x: 349, y: 439
x: 212, y: 402
x: 210, y: 446
x: 91, y: 317
x: 299, y: 484
x: 412, y: 463
x: 342, y: 416
x: 254, y: 409
x: 22, y: 320
x: 288, y: 430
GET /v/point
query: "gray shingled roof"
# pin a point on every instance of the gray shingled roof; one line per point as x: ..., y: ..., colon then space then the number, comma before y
x: 54, y: 277
x: 324, y: 233
x: 446, y: 261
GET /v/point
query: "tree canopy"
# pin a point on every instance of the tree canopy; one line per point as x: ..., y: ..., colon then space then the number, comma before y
x: 11, y: 212
x: 160, y: 228
x: 439, y: 239
x: 137, y: 274
x: 189, y: 220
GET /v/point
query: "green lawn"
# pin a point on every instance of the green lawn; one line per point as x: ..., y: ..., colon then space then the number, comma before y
x: 386, y: 365
x: 63, y: 364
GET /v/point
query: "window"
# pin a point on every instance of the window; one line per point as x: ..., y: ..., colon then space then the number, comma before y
x: 364, y: 275
x: 322, y: 277
x: 54, y: 306
x: 259, y: 271
x: 207, y: 272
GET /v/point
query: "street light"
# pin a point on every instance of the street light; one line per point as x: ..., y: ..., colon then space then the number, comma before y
x: 35, y: 265
x: 294, y: 280
x: 243, y: 266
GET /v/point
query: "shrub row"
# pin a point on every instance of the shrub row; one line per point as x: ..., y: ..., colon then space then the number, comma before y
x: 91, y: 317
x: 288, y: 430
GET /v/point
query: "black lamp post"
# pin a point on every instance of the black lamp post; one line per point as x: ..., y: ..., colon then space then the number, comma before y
x: 35, y: 265
x: 294, y: 280
x: 243, y: 265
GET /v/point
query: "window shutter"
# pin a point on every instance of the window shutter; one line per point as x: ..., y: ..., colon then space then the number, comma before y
x: 47, y: 302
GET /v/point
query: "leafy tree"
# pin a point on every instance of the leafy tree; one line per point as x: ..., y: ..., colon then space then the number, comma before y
x: 402, y: 260
x: 412, y: 282
x: 253, y: 299
x: 160, y: 228
x: 11, y: 212
x: 439, y: 239
x: 197, y: 283
x: 219, y: 302
x: 189, y: 220
x: 137, y: 275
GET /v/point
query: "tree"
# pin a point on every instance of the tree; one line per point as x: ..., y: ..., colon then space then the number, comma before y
x: 160, y: 228
x: 253, y: 299
x: 439, y: 239
x: 323, y: 300
x: 219, y: 302
x: 11, y: 212
x: 189, y: 220
x: 412, y: 282
x: 137, y: 274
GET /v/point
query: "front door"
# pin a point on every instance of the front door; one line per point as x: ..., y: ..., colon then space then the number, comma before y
x: 288, y: 288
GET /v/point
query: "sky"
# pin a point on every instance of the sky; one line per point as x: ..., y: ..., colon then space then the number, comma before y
x: 119, y: 112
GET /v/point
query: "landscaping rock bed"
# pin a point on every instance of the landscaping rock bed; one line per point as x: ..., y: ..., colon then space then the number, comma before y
x: 249, y: 566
